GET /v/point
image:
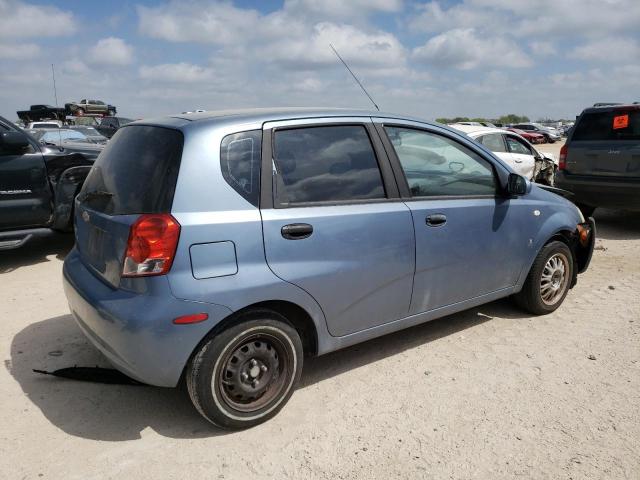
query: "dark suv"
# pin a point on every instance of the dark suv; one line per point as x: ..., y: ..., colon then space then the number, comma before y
x: 600, y: 162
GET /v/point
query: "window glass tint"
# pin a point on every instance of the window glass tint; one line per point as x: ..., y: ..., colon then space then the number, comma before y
x: 600, y: 126
x: 136, y: 172
x: 324, y: 164
x: 517, y: 146
x: 435, y: 165
x: 493, y: 142
x: 240, y: 156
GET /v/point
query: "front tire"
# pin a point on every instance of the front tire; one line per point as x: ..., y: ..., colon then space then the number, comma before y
x: 244, y: 375
x: 549, y: 280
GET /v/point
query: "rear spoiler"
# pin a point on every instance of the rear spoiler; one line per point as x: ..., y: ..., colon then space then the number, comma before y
x: 558, y: 191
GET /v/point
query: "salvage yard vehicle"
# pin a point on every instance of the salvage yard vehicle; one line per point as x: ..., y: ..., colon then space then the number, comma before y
x: 600, y: 161
x: 70, y: 139
x: 221, y: 248
x: 37, y: 186
x: 550, y: 135
x: 110, y: 125
x: 41, y: 112
x: 531, y: 137
x: 84, y: 107
x: 513, y: 149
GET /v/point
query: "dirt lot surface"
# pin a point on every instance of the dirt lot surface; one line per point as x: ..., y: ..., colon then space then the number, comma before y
x: 488, y: 393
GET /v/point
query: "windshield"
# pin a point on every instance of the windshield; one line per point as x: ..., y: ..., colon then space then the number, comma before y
x: 64, y: 135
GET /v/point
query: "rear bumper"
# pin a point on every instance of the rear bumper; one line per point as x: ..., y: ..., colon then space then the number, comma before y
x: 134, y: 330
x: 601, y: 192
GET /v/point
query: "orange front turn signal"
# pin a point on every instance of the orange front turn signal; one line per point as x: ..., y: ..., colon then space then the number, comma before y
x: 583, y: 234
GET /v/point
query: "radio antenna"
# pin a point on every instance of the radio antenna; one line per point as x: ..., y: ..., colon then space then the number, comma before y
x: 55, y: 95
x: 354, y: 76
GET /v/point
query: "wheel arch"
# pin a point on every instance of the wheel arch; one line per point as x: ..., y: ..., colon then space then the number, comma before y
x: 297, y: 316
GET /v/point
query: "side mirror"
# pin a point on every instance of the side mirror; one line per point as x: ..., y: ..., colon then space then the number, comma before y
x: 516, y: 185
x: 13, y: 141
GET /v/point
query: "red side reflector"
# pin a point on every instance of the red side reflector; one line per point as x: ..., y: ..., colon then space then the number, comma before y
x: 194, y: 318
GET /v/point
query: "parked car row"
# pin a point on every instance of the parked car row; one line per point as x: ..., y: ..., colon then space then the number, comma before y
x: 83, y: 107
x: 514, y: 150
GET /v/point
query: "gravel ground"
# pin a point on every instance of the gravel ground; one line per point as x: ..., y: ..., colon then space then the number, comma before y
x: 488, y: 393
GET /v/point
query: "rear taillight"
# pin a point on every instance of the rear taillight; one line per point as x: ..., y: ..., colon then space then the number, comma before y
x: 562, y: 161
x: 152, y: 245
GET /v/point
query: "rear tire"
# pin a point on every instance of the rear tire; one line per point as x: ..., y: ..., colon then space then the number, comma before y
x: 244, y: 375
x: 548, y: 281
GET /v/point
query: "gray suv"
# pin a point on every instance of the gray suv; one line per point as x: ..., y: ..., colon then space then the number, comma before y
x: 221, y: 248
x: 600, y: 161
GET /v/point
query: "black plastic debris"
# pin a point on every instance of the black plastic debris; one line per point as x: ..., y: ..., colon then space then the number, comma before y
x: 92, y: 374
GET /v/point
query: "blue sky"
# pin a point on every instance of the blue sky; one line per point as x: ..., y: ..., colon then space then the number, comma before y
x: 542, y: 58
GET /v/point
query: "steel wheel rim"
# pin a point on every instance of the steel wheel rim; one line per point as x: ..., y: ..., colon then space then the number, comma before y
x: 554, y: 279
x: 254, y: 372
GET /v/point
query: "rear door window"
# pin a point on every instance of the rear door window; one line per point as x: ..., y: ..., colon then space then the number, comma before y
x: 240, y: 155
x: 325, y: 164
x: 608, y: 125
x: 136, y: 172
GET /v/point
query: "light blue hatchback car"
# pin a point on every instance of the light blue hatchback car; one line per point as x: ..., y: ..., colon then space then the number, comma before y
x: 221, y: 248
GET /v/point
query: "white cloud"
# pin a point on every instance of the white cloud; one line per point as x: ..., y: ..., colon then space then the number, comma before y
x: 19, y: 52
x: 176, y: 73
x: 465, y: 49
x: 542, y: 48
x: 613, y: 50
x: 111, y: 51
x: 342, y: 8
x: 23, y: 20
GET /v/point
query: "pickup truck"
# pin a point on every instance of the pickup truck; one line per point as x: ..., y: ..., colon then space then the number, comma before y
x: 92, y: 107
x: 38, y: 186
x: 41, y: 112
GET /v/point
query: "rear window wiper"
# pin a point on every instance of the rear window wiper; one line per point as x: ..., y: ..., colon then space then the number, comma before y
x: 96, y: 194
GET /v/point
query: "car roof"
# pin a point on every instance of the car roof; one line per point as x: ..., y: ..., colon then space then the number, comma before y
x: 612, y: 107
x: 261, y: 115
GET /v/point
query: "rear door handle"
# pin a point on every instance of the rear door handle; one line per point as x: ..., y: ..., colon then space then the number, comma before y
x: 296, y: 231
x: 436, y: 220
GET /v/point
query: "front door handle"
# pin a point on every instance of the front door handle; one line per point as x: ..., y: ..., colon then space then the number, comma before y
x: 436, y: 220
x: 296, y: 231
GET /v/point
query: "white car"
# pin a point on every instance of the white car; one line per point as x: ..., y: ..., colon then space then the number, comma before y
x: 518, y: 153
x: 47, y: 124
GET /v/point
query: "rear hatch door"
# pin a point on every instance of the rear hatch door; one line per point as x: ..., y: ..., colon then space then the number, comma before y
x: 135, y: 174
x: 606, y: 143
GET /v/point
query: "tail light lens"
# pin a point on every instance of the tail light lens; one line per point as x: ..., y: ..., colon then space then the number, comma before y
x: 152, y: 245
x: 562, y: 161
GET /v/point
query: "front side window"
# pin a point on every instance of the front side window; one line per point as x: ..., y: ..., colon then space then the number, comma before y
x: 240, y: 155
x: 439, y: 166
x: 493, y: 142
x: 325, y: 164
x: 518, y: 146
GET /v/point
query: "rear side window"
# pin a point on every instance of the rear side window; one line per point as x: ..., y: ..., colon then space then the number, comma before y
x: 136, y: 172
x: 240, y: 155
x: 325, y: 164
x: 518, y: 146
x: 608, y: 125
x: 493, y: 142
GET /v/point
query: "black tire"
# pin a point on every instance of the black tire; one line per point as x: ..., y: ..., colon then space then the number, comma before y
x: 587, y: 210
x: 549, y: 139
x: 244, y: 375
x: 532, y: 296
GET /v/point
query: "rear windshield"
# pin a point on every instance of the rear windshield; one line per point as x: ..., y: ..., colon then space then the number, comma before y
x: 608, y: 125
x: 136, y: 172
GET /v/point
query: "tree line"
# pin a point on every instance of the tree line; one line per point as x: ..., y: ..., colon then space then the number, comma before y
x: 510, y: 118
